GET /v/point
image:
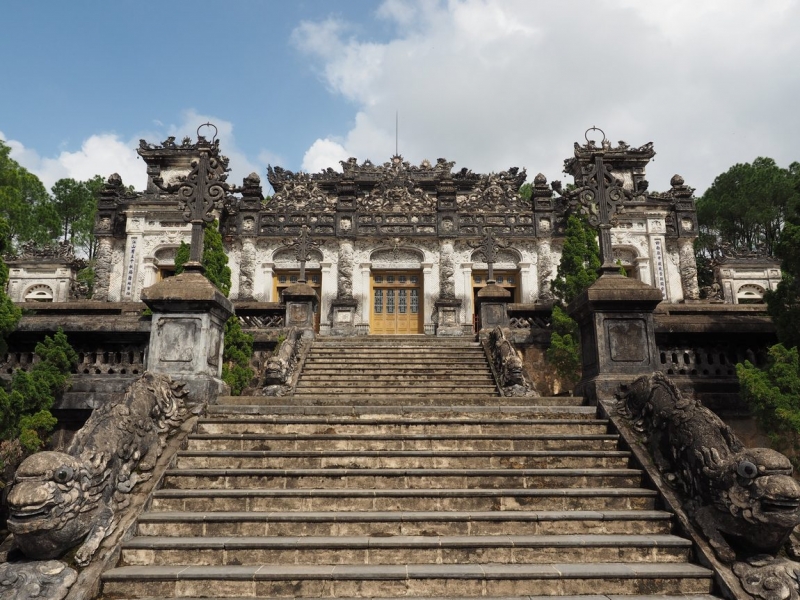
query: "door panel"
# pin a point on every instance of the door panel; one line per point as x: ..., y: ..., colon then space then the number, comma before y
x: 395, y: 303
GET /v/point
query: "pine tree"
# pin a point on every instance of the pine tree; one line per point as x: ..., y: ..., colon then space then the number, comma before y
x: 580, y: 261
x: 238, y: 348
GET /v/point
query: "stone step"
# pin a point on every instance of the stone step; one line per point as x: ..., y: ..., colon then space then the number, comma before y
x: 406, y: 523
x: 241, y: 441
x: 383, y: 411
x: 404, y: 459
x: 353, y: 550
x: 460, y: 597
x: 380, y: 372
x: 425, y: 378
x: 392, y: 424
x: 422, y: 388
x: 407, y: 580
x: 399, y: 478
x: 400, y: 404
x: 346, y: 361
x: 208, y: 500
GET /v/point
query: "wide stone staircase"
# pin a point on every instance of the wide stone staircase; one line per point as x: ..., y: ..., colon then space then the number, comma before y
x: 397, y: 470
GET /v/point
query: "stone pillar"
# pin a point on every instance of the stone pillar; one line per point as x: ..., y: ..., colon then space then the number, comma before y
x: 447, y: 305
x: 493, y: 303
x: 102, y: 271
x: 688, y: 269
x: 427, y: 297
x: 526, y: 276
x: 187, y: 334
x: 468, y: 313
x: 615, y: 317
x: 345, y: 305
x: 544, y: 269
x: 247, y: 269
x: 301, y: 304
x: 269, y: 284
x: 366, y: 268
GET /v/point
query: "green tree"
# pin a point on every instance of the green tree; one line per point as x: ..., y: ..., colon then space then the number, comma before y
x: 580, y: 261
x: 238, y: 348
x: 25, y: 418
x: 773, y: 394
x: 783, y: 304
x: 746, y: 207
x: 9, y: 313
x: 72, y: 209
x: 22, y: 198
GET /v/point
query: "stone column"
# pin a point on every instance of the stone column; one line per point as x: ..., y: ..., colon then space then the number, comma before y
x: 688, y: 268
x: 365, y: 299
x: 615, y: 317
x: 526, y: 275
x: 247, y: 269
x: 427, y: 298
x: 468, y: 306
x: 545, y: 269
x: 301, y: 304
x: 493, y: 303
x: 345, y: 305
x: 447, y: 305
x: 102, y: 270
x: 187, y: 334
x: 269, y: 273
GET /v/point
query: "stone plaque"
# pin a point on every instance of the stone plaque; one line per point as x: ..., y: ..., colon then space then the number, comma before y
x: 177, y: 338
x: 493, y: 314
x: 343, y: 316
x: 213, y: 349
x: 627, y: 340
x: 299, y: 313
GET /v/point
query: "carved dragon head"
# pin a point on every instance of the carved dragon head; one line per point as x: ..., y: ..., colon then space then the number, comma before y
x: 50, y: 493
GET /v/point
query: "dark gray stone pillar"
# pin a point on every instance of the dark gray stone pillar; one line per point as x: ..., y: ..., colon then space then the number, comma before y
x: 493, y: 303
x: 615, y: 317
x: 301, y: 303
x: 188, y: 332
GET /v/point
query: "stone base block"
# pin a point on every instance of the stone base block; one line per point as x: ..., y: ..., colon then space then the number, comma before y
x: 204, y: 389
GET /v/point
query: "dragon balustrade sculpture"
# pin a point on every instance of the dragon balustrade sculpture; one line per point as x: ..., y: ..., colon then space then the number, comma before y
x: 739, y: 497
x: 59, y: 500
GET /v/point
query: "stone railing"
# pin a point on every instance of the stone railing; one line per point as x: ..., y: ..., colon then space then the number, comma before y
x: 699, y: 345
x: 261, y: 315
x: 110, y: 338
x: 507, y: 366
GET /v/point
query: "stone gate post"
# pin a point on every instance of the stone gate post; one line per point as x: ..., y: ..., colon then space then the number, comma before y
x: 615, y: 317
x: 188, y: 331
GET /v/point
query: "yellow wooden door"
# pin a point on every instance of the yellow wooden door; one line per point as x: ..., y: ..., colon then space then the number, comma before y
x: 396, y: 303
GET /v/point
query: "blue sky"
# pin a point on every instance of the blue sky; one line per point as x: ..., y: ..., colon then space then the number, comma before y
x: 489, y: 84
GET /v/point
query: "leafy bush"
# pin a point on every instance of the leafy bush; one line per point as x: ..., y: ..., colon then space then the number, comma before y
x: 25, y: 406
x: 773, y: 393
x: 580, y: 261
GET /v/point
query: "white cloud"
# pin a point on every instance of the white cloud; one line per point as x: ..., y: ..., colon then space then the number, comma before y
x: 100, y: 154
x: 322, y: 154
x: 105, y: 153
x: 494, y: 84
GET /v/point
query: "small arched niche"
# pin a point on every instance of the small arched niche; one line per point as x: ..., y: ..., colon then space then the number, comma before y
x: 39, y: 293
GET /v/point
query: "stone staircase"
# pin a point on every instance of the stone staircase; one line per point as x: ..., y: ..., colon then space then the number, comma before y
x: 388, y: 489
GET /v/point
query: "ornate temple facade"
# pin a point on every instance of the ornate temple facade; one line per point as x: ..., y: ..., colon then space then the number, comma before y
x: 393, y: 240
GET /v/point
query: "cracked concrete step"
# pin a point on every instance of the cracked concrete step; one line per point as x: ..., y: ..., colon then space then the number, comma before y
x: 419, y: 409
x: 399, y: 478
x: 241, y: 441
x: 521, y: 549
x: 206, y: 500
x: 403, y: 459
x: 407, y: 523
x: 393, y: 424
x: 411, y: 580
